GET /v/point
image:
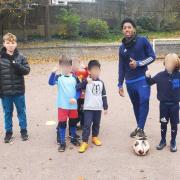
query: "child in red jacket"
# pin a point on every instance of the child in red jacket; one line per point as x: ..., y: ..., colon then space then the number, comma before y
x: 81, y: 72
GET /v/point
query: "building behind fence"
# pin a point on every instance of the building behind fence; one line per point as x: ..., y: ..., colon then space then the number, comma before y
x: 113, y: 11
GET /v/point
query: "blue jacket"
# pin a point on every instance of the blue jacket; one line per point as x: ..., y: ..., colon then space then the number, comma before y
x: 144, y: 55
x: 168, y: 86
x: 66, y: 90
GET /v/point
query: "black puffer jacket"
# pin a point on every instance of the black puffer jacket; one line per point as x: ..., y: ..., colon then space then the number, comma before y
x: 12, y: 71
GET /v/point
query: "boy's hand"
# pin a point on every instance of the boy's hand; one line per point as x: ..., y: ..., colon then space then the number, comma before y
x: 73, y: 101
x: 121, y: 92
x: 148, y: 73
x: 55, y: 69
x: 89, y: 80
x: 105, y: 112
x: 16, y: 65
x: 133, y: 64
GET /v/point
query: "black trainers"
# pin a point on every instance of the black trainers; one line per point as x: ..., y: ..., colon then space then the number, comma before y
x: 173, y: 147
x: 76, y: 136
x: 62, y: 147
x: 24, y: 135
x: 161, y: 145
x: 8, y: 137
x: 75, y: 142
x: 134, y: 133
x: 140, y: 133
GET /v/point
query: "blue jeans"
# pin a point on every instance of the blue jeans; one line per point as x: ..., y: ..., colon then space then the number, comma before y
x: 8, y: 106
x: 139, y: 93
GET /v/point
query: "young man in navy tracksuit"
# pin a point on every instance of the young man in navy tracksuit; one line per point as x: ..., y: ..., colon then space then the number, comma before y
x: 168, y: 93
x: 135, y: 54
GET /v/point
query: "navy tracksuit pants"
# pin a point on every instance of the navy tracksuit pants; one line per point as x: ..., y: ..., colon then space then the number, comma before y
x: 139, y: 93
x: 91, y: 119
x: 169, y: 111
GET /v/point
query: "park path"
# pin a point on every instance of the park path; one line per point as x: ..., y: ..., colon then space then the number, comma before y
x: 38, y: 159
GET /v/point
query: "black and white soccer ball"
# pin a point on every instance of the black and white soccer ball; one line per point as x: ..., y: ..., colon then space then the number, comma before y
x: 141, y: 147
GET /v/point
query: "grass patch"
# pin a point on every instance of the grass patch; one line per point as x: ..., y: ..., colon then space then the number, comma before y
x: 111, y: 38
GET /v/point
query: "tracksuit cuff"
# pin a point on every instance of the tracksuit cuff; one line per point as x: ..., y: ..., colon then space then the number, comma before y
x: 137, y: 63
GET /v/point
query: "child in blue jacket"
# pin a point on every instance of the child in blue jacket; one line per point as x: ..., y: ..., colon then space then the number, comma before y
x: 168, y: 93
x: 66, y: 101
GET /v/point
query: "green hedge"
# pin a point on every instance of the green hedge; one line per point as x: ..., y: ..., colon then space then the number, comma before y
x: 97, y: 28
x: 70, y: 24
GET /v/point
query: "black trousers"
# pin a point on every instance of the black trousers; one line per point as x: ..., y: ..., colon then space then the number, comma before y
x: 81, y: 112
x: 91, y: 119
x: 169, y: 111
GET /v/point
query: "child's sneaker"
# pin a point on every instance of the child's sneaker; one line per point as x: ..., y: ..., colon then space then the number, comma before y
x: 75, y: 142
x: 62, y: 147
x: 83, y: 147
x: 76, y: 136
x: 24, y: 135
x: 8, y: 137
x: 161, y: 145
x: 96, y: 141
x: 173, y: 147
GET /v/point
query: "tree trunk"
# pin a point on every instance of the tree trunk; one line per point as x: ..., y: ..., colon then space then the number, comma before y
x: 24, y: 29
x: 46, y: 23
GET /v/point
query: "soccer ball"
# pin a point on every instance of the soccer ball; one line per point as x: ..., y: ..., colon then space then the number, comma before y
x: 141, y: 147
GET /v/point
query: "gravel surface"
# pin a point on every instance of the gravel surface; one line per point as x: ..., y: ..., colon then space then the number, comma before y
x: 38, y: 159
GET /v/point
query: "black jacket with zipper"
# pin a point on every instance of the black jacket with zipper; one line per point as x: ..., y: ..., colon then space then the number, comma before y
x: 12, y: 71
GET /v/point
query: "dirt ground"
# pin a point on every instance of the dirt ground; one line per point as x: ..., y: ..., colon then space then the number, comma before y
x: 39, y: 159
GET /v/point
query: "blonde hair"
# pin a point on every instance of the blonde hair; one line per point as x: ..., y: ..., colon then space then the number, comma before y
x: 173, y: 58
x: 9, y: 37
x: 65, y: 60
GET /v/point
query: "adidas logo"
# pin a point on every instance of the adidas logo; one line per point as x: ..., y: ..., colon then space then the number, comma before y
x: 125, y: 50
x: 164, y: 120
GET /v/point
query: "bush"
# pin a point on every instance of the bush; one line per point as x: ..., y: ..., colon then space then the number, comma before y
x: 141, y: 30
x: 115, y: 30
x: 97, y: 28
x: 70, y: 24
x: 167, y: 26
x: 146, y: 23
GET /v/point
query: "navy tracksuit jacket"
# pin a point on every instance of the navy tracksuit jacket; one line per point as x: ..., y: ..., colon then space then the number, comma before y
x: 137, y: 87
x: 168, y: 93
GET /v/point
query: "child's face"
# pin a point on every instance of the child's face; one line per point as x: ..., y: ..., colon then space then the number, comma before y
x: 66, y: 69
x: 170, y: 65
x: 10, y: 45
x: 95, y: 72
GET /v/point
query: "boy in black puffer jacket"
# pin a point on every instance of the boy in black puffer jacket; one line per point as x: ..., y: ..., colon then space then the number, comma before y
x: 13, y: 67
